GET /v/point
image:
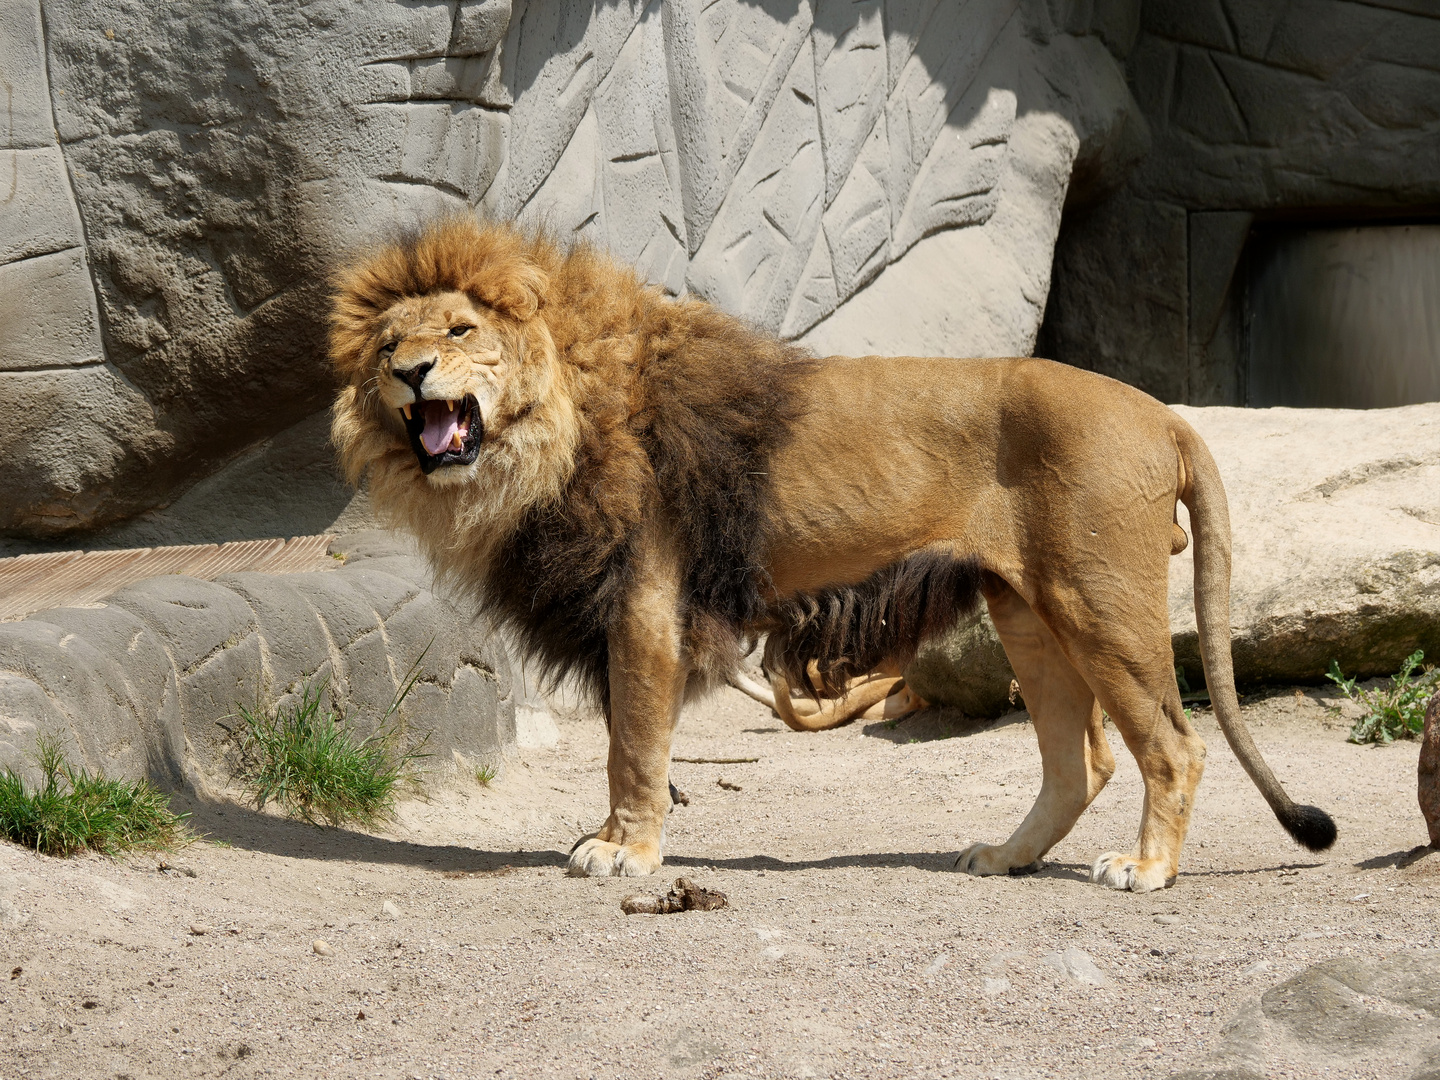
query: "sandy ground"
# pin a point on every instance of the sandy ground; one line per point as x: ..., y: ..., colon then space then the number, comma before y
x: 850, y: 948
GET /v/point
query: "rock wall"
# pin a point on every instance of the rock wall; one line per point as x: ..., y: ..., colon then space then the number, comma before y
x: 876, y: 176
x: 1261, y: 112
x: 139, y: 685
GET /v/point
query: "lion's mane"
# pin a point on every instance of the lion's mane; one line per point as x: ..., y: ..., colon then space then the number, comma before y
x: 625, y: 401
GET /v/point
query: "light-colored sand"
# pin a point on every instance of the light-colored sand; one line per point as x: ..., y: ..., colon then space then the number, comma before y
x: 850, y: 947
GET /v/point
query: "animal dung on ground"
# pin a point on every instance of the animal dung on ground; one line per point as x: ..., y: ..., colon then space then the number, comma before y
x: 729, y: 786
x: 685, y: 896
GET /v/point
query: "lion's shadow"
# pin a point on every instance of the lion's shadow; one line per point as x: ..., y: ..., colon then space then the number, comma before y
x: 938, y: 722
x: 241, y: 827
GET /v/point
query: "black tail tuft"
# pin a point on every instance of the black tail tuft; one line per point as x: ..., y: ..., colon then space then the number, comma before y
x: 1310, y: 826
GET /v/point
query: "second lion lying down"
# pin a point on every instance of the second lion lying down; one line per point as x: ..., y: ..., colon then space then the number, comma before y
x: 636, y: 484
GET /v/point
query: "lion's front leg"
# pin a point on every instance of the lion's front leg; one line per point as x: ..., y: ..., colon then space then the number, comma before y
x: 647, y: 685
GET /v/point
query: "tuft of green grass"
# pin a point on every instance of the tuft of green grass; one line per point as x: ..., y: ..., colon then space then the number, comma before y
x: 74, y: 810
x: 485, y: 775
x: 305, y: 758
x: 1393, y: 712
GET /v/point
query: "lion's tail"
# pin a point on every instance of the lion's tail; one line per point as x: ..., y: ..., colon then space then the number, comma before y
x: 1203, y: 494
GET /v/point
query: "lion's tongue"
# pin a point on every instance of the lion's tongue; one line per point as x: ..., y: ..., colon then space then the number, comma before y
x: 441, y: 423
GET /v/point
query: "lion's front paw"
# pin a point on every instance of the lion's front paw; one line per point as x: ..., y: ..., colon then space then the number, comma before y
x: 600, y: 858
x: 1116, y: 870
x: 983, y: 860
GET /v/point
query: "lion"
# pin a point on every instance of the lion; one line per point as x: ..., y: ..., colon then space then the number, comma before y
x: 639, y: 486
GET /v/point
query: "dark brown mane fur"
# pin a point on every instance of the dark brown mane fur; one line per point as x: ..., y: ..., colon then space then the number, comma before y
x: 850, y: 630
x: 682, y: 415
x: 677, y: 411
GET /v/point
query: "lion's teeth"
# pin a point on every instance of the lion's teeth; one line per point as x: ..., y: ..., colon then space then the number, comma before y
x: 449, y: 405
x: 406, y: 410
x: 456, y: 443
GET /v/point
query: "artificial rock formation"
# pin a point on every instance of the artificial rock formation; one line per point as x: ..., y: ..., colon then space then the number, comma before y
x: 875, y: 176
x: 147, y: 682
x: 1260, y: 113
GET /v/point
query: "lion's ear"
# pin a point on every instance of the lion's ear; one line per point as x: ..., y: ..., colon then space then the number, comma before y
x: 518, y: 292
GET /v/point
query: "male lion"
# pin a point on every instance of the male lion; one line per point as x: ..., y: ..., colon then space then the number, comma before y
x: 635, y: 483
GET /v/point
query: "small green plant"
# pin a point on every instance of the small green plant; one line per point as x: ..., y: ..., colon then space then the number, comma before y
x: 1393, y: 712
x: 305, y: 758
x: 74, y: 810
x: 485, y: 775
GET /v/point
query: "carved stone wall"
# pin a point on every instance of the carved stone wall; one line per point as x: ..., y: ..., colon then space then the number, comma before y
x: 876, y: 176
x: 1263, y: 114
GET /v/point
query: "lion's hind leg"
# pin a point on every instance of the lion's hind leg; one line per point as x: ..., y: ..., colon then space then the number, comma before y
x: 1130, y: 665
x: 1171, y: 759
x: 1075, y: 755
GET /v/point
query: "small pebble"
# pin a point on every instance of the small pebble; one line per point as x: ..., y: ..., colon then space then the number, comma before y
x: 1167, y: 920
x: 389, y: 910
x: 322, y: 948
x: 199, y: 929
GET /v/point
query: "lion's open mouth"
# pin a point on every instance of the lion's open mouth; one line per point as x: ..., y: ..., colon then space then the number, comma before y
x: 444, y: 432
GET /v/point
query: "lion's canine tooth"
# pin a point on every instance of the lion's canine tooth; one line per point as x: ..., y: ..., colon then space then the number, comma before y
x: 406, y: 410
x: 449, y: 405
x: 456, y: 443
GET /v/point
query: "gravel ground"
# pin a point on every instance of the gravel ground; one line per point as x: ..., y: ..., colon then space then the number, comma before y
x: 849, y: 947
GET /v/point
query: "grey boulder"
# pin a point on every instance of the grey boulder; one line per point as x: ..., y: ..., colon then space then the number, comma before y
x: 1335, y: 515
x: 1342, y: 1014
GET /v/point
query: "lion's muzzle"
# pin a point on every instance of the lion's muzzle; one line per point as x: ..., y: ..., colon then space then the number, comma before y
x: 444, y: 432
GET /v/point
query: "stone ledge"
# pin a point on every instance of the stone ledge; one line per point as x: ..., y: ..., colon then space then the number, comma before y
x: 137, y: 685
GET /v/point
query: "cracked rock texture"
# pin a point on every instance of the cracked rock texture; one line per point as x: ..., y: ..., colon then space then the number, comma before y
x: 1260, y: 112
x: 1335, y: 519
x: 875, y: 176
x: 1376, y: 1016
x: 139, y: 685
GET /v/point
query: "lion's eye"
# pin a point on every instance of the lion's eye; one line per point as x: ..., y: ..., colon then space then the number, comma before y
x: 460, y: 331
x: 386, y: 350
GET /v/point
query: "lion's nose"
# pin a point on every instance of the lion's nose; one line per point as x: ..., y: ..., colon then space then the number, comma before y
x: 413, y: 377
